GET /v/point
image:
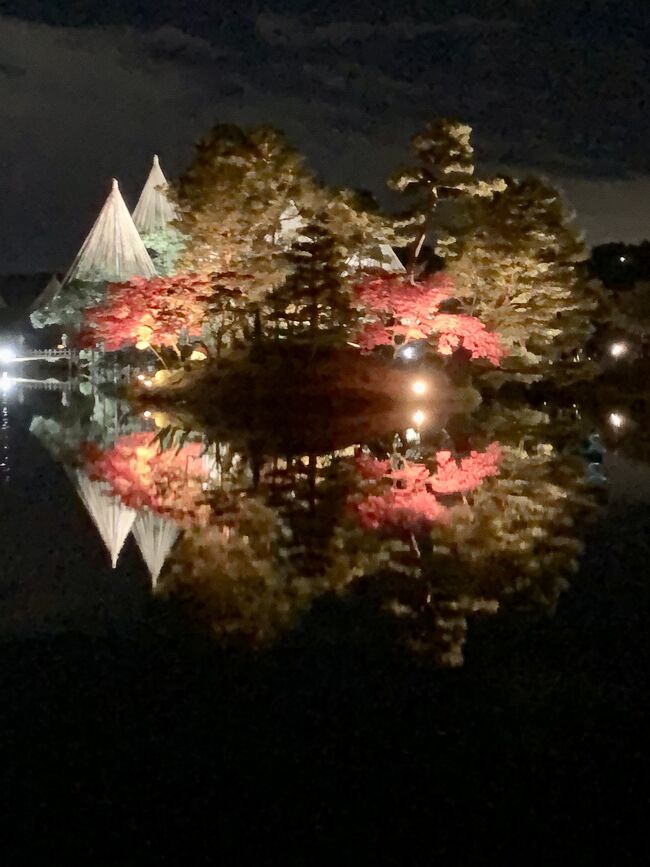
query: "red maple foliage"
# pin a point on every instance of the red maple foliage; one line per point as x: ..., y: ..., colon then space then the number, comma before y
x: 404, y: 498
x: 147, y: 313
x: 399, y: 307
x: 169, y: 482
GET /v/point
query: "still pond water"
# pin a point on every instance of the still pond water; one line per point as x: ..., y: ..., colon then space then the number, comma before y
x: 434, y: 517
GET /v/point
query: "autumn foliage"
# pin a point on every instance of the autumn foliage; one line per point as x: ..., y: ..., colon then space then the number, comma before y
x: 169, y: 482
x: 396, y: 307
x: 404, y: 497
x: 147, y: 313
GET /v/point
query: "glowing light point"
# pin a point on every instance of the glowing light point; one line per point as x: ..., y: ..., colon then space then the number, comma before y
x: 408, y: 352
x: 622, y: 259
x: 147, y: 383
x: 617, y: 350
x: 141, y: 377
x: 412, y: 436
x: 419, y: 386
x: 616, y: 420
x: 146, y: 414
x: 418, y: 418
x: 7, y: 355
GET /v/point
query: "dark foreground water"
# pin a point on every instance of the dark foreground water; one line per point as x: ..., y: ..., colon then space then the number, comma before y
x: 333, y: 724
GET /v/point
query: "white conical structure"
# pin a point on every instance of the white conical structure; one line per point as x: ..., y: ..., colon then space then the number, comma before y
x: 291, y: 224
x: 155, y: 537
x: 154, y: 211
x: 389, y: 259
x: 383, y: 257
x: 113, y: 251
x: 109, y: 514
x: 48, y: 294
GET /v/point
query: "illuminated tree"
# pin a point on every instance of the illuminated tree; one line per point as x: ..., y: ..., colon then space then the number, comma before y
x: 230, y: 203
x: 517, y: 267
x: 399, y: 309
x: 226, y: 312
x: 68, y: 307
x: 247, y: 203
x: 443, y: 170
x: 314, y: 299
x: 165, y: 246
x: 148, y: 313
x: 365, y: 237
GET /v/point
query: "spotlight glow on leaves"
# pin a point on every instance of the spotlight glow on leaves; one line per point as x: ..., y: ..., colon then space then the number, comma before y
x: 147, y: 313
x: 398, y: 307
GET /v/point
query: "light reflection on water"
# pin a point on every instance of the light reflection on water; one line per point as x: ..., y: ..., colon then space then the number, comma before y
x: 5, y: 457
x: 433, y: 524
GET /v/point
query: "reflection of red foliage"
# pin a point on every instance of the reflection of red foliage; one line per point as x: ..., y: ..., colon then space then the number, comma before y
x: 371, y: 468
x: 147, y: 312
x: 408, y: 309
x: 168, y: 482
x: 399, y: 510
x: 458, y: 477
x: 410, y: 503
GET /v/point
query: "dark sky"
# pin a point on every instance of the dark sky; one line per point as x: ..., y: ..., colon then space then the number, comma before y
x: 92, y: 88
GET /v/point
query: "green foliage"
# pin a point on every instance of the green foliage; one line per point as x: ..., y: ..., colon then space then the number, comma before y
x: 314, y: 299
x: 361, y: 231
x: 442, y: 170
x: 231, y: 200
x: 248, y: 198
x: 66, y: 309
x: 165, y: 248
x: 227, y: 318
x: 517, y: 265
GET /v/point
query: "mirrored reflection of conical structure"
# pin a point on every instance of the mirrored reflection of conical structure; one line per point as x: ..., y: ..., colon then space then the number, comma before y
x: 155, y: 537
x: 154, y: 211
x: 113, y: 251
x: 112, y: 518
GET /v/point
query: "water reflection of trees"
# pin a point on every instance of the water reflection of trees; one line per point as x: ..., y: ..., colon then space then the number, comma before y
x: 502, y: 528
x: 433, y: 527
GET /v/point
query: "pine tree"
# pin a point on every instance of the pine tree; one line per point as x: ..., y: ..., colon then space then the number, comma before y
x: 365, y: 236
x: 314, y: 299
x: 517, y: 266
x: 443, y: 170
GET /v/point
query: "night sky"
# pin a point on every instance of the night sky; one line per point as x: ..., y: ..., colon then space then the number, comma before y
x: 92, y: 88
